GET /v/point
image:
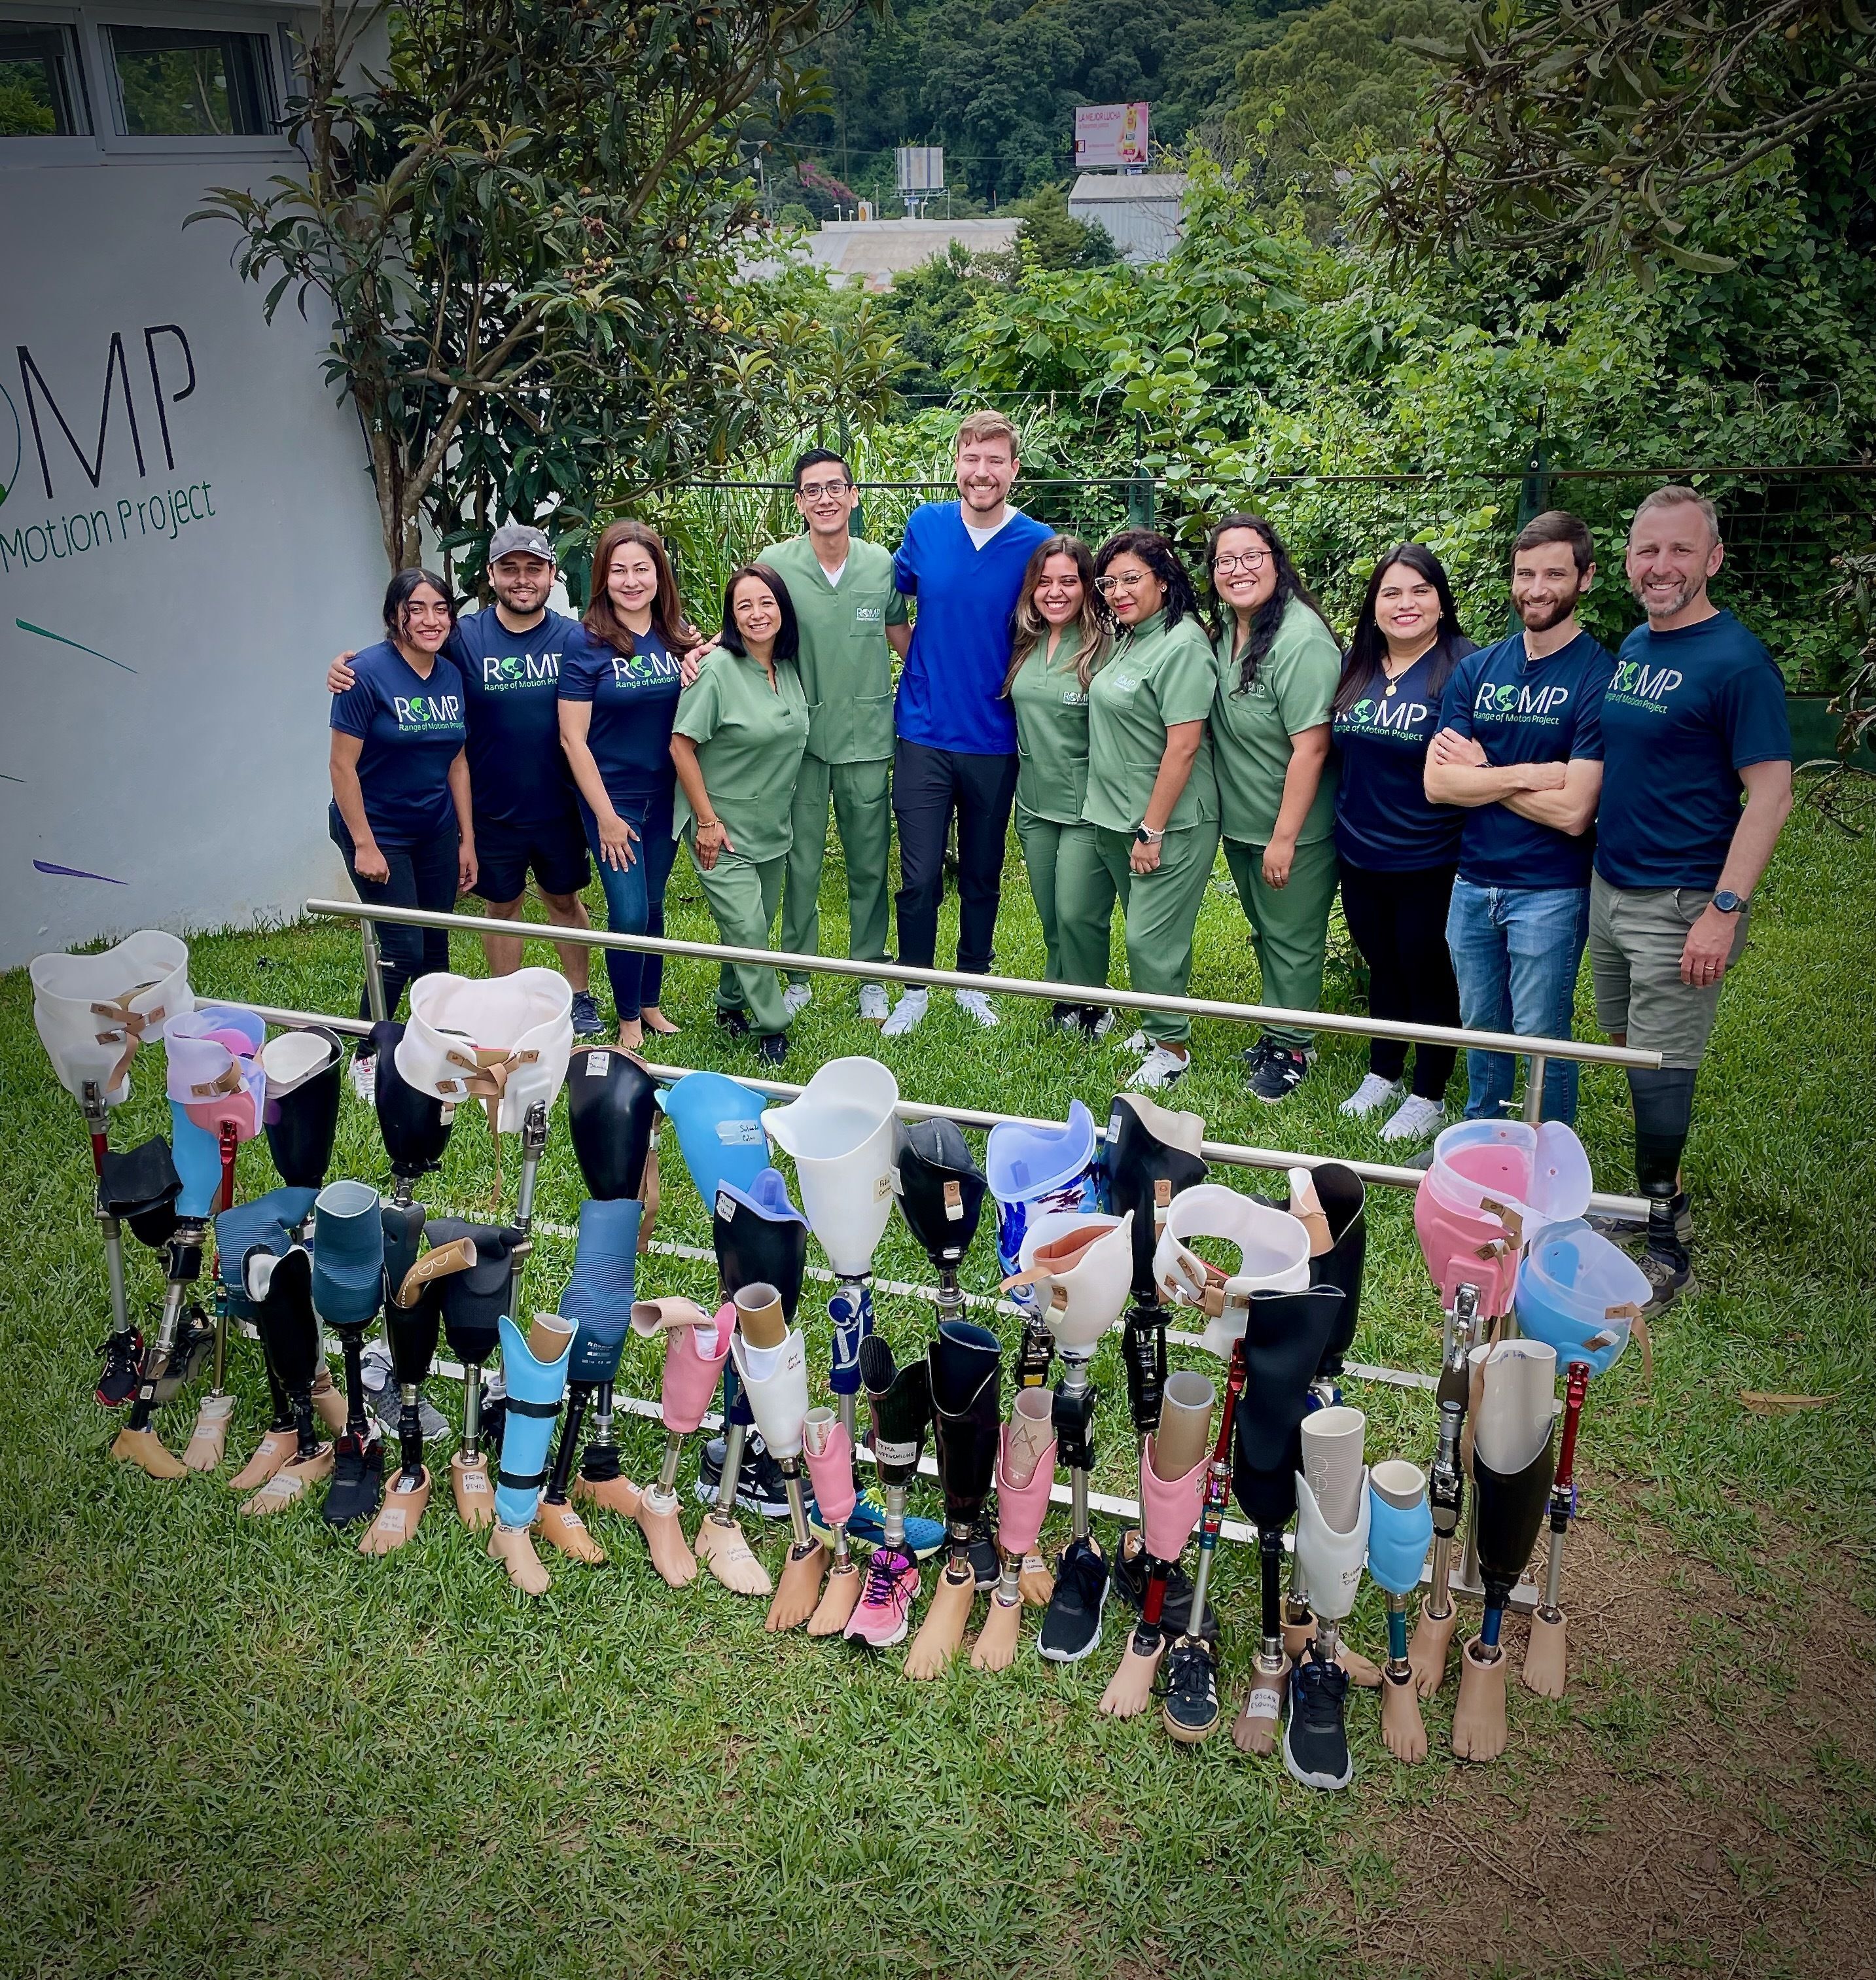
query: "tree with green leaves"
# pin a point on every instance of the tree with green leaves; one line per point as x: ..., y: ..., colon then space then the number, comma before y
x: 524, y: 229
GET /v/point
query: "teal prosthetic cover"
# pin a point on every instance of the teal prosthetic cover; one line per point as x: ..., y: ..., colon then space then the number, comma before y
x: 535, y: 1388
x: 1398, y: 1540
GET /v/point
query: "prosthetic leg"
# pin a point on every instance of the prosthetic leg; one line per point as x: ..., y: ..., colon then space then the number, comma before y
x: 1025, y: 1471
x: 1439, y: 1618
x: 473, y: 1302
x: 348, y: 1290
x: 828, y: 1452
x: 720, y: 1544
x: 1191, y: 1714
x: 270, y: 1223
x: 1284, y: 1333
x: 696, y: 1348
x: 1171, y: 1485
x: 535, y: 1371
x: 415, y: 1126
x: 1511, y: 1471
x: 281, y: 1290
x: 598, y: 1301
x: 305, y: 1071
x: 1400, y: 1528
x: 965, y: 1362
x: 901, y: 1402
x: 772, y: 1361
x: 139, y: 1189
x: 1332, y: 1541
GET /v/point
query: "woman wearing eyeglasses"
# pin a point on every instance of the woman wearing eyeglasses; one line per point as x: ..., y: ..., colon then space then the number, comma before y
x: 1277, y: 665
x: 1151, y: 797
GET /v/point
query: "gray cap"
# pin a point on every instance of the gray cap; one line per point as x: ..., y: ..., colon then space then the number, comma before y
x: 523, y: 538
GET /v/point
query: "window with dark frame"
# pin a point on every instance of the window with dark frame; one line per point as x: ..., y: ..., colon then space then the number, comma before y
x: 192, y: 82
x: 42, y: 84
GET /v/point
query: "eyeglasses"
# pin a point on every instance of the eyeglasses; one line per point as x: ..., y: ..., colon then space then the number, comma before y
x: 1123, y: 580
x: 818, y: 491
x: 1249, y: 561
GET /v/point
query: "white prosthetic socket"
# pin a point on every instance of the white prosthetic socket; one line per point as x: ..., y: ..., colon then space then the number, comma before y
x: 1333, y: 1515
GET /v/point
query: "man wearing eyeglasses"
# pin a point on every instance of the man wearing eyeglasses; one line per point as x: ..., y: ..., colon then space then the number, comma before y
x: 853, y: 620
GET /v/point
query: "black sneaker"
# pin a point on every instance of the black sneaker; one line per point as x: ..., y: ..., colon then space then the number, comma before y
x: 759, y: 1485
x: 773, y: 1048
x: 986, y: 1562
x: 734, y: 1022
x: 1275, y: 1071
x: 1672, y: 1276
x: 123, y: 1359
x: 587, y: 1022
x: 357, y: 1481
x: 1131, y: 1576
x: 1190, y: 1713
x: 1071, y: 1627
x: 1315, y: 1740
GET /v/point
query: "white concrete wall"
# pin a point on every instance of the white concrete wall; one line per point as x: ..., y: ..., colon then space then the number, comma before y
x: 217, y: 575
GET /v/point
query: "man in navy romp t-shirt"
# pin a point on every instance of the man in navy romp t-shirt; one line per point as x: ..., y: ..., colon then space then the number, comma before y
x: 525, y: 814
x: 1694, y: 717
x: 961, y: 563
x: 1520, y: 748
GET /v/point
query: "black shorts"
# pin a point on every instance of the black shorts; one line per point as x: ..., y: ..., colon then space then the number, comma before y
x: 554, y: 848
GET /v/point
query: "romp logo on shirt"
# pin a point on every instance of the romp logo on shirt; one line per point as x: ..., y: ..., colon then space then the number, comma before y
x: 643, y: 668
x: 1633, y: 683
x: 519, y: 670
x: 418, y: 712
x: 1398, y: 719
x: 1508, y: 701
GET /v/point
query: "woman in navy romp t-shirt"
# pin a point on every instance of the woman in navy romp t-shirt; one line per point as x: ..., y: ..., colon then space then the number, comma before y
x: 400, y: 781
x: 1397, y: 852
x: 619, y: 686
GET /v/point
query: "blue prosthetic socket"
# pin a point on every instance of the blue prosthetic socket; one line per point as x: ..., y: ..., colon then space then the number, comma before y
x: 1034, y: 1171
x: 268, y: 1224
x: 1568, y: 1282
x: 348, y: 1254
x: 535, y: 1388
x: 598, y: 1298
x: 851, y: 1310
x: 720, y: 1129
x: 198, y: 1155
x: 1398, y: 1538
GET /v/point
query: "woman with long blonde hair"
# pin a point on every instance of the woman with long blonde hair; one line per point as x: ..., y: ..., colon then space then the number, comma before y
x: 1059, y: 638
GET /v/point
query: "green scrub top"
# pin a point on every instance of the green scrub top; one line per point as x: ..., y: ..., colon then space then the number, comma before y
x: 846, y: 666
x: 1051, y: 706
x: 749, y: 740
x: 1294, y: 690
x: 1153, y: 679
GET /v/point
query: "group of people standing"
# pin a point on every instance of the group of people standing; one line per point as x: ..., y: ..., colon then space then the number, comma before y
x: 1484, y: 812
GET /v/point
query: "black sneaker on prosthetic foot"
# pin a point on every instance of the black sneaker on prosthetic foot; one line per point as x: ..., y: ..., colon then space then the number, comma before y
x: 986, y: 1562
x: 357, y: 1481
x: 1315, y: 1738
x: 1071, y: 1627
x: 123, y: 1359
x: 1131, y: 1574
x: 1190, y: 1713
x: 760, y: 1486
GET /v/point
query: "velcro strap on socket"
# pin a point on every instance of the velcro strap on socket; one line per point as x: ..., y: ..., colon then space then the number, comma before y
x: 519, y: 1481
x: 521, y: 1406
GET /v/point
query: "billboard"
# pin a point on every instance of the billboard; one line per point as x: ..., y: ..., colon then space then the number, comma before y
x: 1108, y: 136
x: 921, y: 168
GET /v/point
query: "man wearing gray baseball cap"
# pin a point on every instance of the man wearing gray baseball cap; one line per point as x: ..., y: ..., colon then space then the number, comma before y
x: 520, y: 791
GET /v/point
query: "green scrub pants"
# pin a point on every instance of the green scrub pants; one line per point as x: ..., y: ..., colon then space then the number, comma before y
x: 1161, y: 908
x: 1289, y: 927
x: 861, y: 794
x: 1045, y: 846
x: 743, y: 896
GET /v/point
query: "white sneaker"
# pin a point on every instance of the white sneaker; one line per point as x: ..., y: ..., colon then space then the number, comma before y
x: 1413, y: 1119
x: 1370, y: 1096
x: 1136, y: 1042
x: 1160, y: 1069
x: 875, y: 1008
x: 978, y: 1005
x: 796, y: 997
x: 908, y: 1012
x: 365, y: 1079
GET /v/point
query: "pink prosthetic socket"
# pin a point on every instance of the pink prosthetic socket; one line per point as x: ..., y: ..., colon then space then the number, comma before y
x: 694, y: 1358
x: 1464, y: 1250
x: 1021, y: 1509
x: 1170, y: 1507
x: 830, y: 1466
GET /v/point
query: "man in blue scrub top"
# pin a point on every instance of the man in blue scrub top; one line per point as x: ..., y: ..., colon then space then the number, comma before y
x: 1694, y: 721
x: 1520, y: 749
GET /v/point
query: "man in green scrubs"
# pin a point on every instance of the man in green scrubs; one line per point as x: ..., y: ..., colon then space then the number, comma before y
x: 852, y: 621
x: 745, y: 739
x: 1142, y: 708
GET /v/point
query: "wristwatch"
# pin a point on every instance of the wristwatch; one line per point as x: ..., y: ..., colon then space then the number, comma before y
x: 1144, y: 835
x: 1730, y: 903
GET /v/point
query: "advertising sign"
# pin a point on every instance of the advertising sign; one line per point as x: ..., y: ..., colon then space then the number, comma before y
x: 1110, y: 137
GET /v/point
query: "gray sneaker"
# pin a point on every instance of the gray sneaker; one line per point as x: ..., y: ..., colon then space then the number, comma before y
x: 587, y: 1022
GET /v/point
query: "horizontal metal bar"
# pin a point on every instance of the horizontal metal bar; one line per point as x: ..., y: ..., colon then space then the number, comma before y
x: 1011, y: 986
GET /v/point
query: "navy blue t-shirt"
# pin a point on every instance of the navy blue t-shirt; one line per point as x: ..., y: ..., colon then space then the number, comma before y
x: 411, y: 727
x: 1526, y: 711
x: 950, y: 692
x: 1685, y: 711
x: 1384, y: 823
x: 517, y: 771
x: 634, y: 702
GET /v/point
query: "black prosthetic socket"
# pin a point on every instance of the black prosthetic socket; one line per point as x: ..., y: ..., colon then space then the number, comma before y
x: 1143, y: 1174
x: 280, y: 1290
x: 1510, y: 1510
x: 965, y: 1362
x: 754, y: 1249
x: 474, y: 1302
x: 302, y: 1121
x: 611, y: 1111
x: 940, y: 1189
x: 140, y: 1186
x: 1344, y: 1200
x: 411, y: 1331
x: 415, y: 1128
x: 1663, y: 1117
x: 901, y: 1400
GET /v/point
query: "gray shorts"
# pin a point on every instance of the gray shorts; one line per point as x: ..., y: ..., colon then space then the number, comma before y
x: 1636, y: 934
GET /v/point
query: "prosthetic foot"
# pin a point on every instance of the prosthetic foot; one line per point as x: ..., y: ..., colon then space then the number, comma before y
x: 772, y: 1359
x: 535, y: 1370
x: 828, y: 1450
x: 696, y: 1347
x: 965, y: 1364
x: 474, y: 1301
x: 900, y: 1399
x: 1400, y: 1528
x: 1025, y: 1471
x: 145, y: 1449
x: 208, y: 1442
x: 395, y: 1524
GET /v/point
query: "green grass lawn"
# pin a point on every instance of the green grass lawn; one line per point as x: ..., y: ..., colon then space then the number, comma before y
x: 242, y: 1749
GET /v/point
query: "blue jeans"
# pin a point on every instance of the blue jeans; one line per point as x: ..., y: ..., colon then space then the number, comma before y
x: 634, y: 899
x: 1515, y: 953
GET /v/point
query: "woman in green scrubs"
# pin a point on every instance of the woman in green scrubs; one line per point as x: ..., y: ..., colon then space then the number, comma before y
x: 1278, y: 666
x: 1060, y: 640
x: 1152, y: 798
x: 737, y: 743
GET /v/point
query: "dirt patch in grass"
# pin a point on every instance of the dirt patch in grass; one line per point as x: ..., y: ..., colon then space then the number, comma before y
x: 1701, y: 1802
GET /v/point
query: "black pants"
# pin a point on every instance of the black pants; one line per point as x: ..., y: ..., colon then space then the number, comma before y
x: 421, y: 876
x: 927, y: 787
x: 1398, y: 923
